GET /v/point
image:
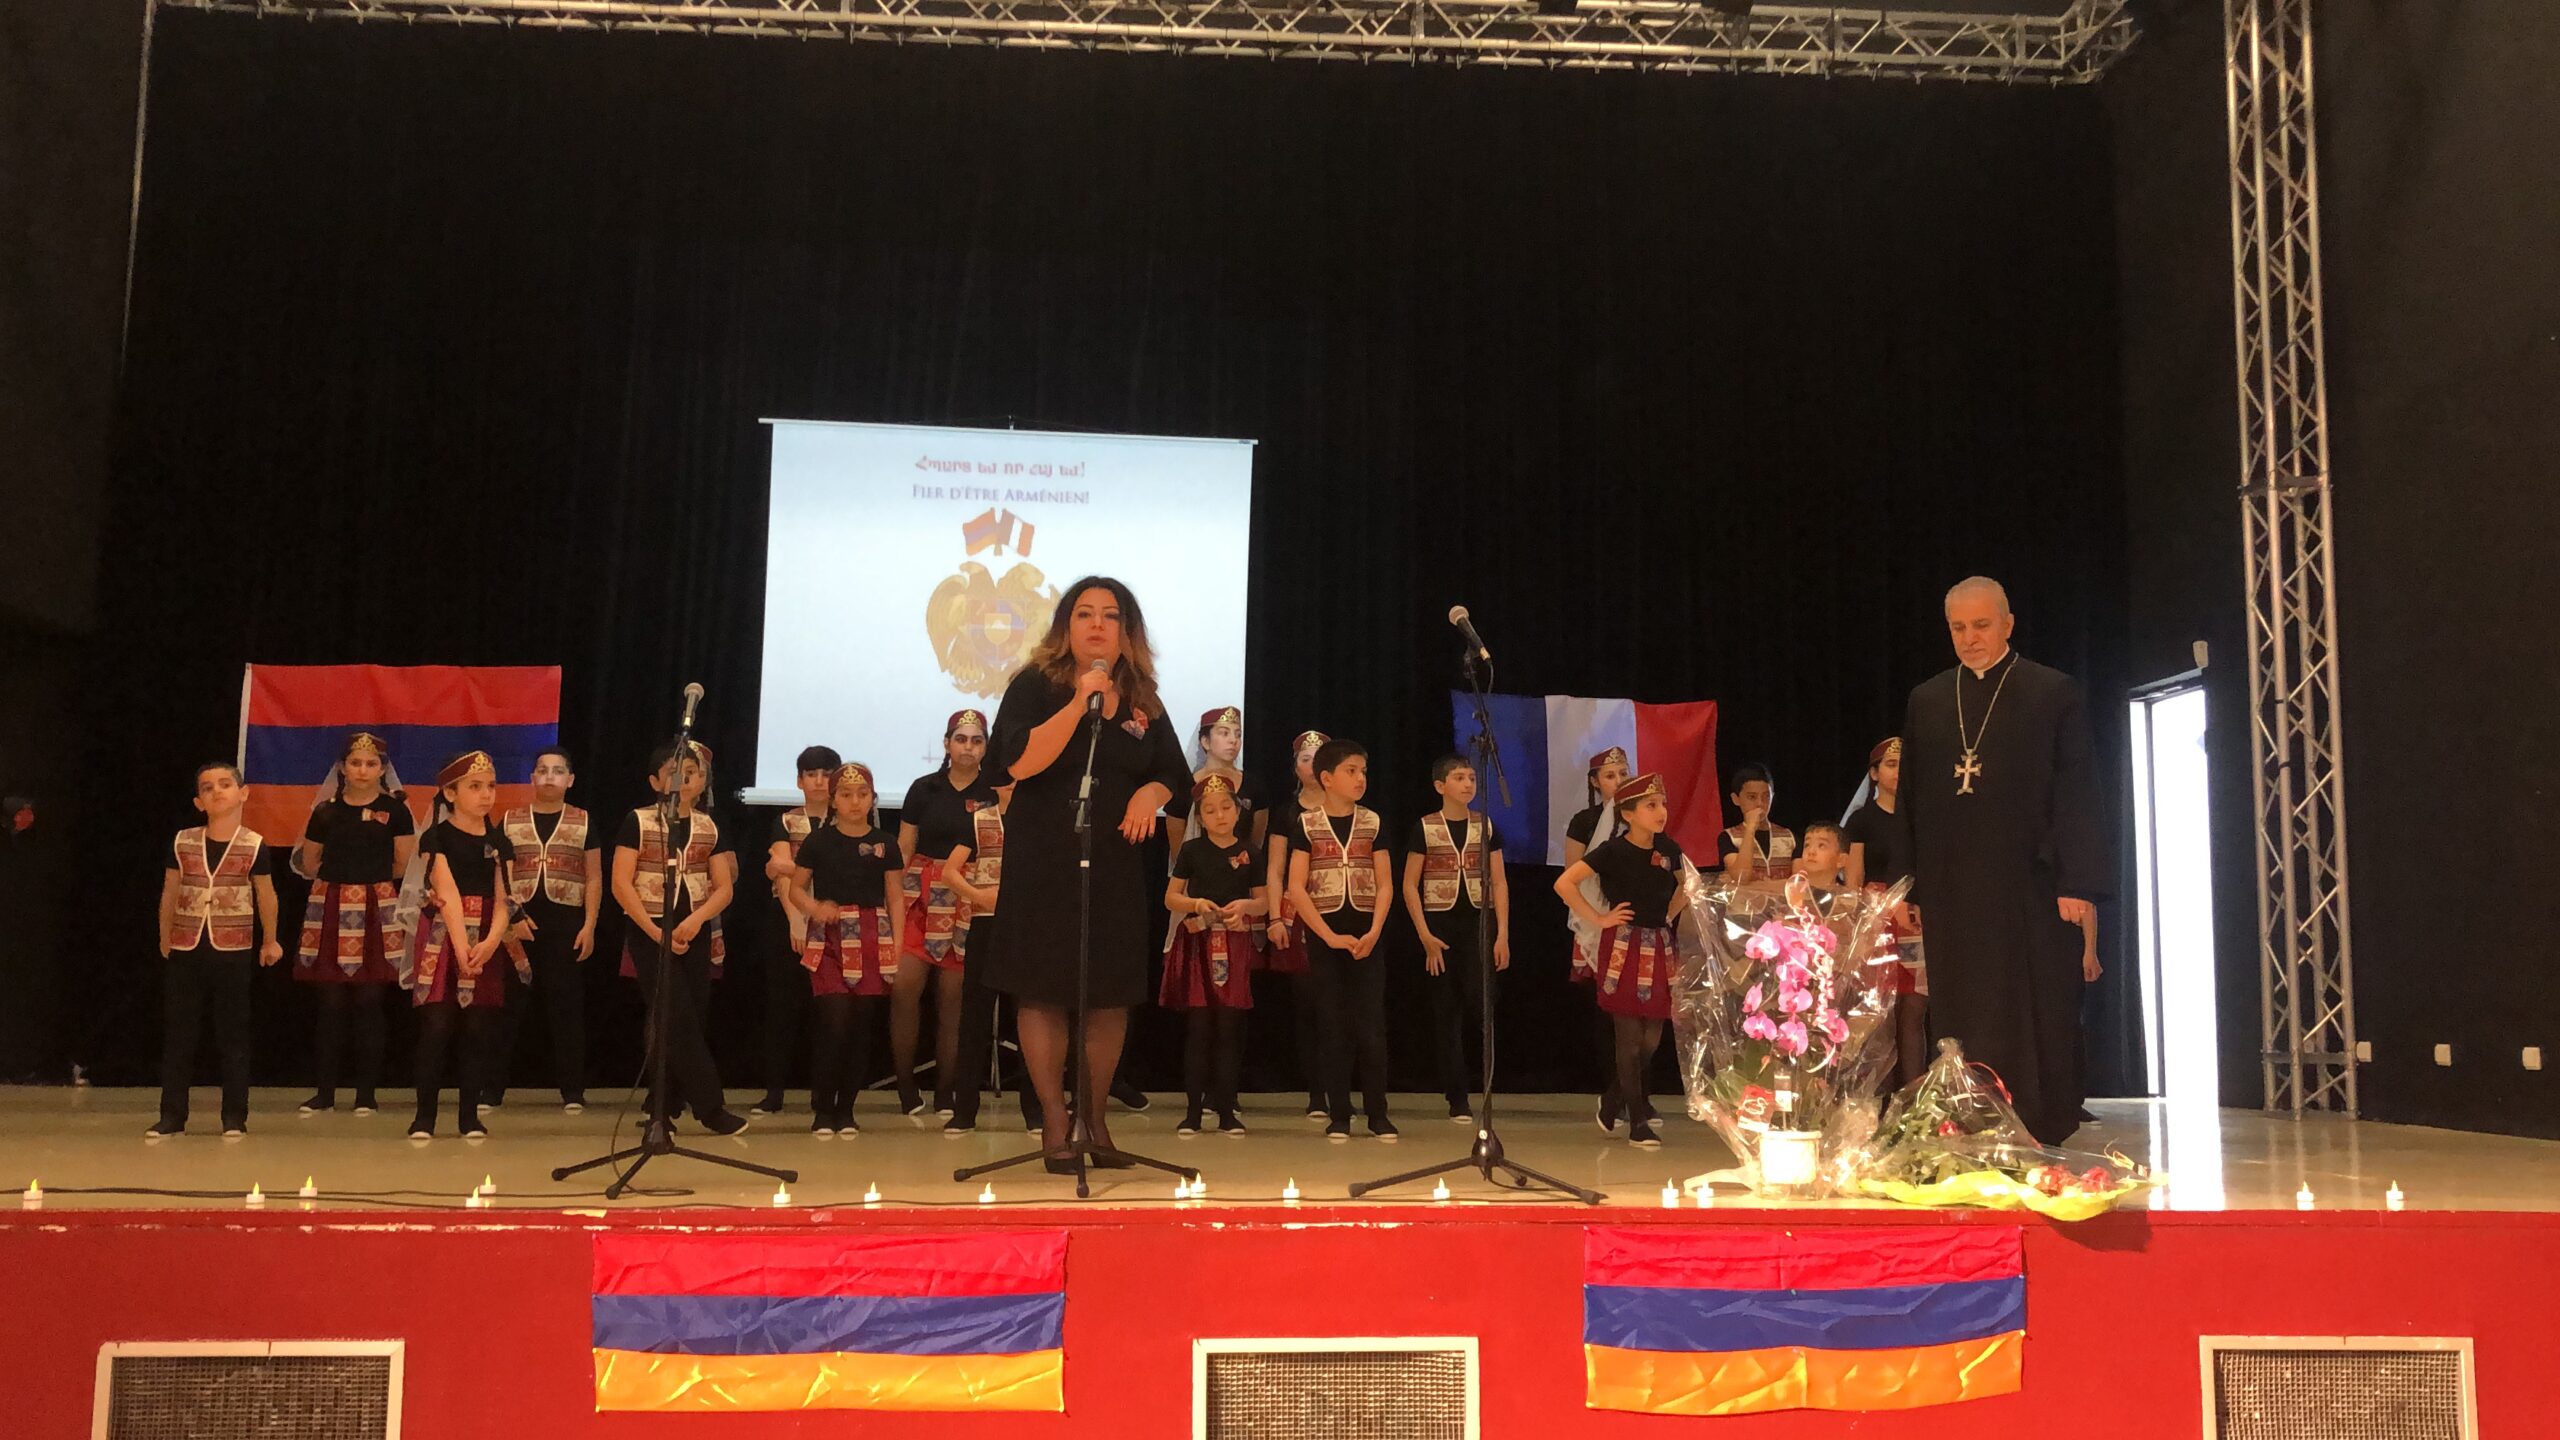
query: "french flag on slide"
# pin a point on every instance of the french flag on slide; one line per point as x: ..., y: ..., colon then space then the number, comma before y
x: 294, y: 719
x: 1546, y: 741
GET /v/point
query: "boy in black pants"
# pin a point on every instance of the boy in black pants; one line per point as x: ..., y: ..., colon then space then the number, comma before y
x: 216, y: 898
x: 786, y: 987
x: 556, y: 873
x: 1452, y: 871
x: 1339, y: 881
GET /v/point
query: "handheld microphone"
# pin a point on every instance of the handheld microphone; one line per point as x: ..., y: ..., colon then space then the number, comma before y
x: 1093, y: 702
x: 1475, y: 642
x: 692, y: 697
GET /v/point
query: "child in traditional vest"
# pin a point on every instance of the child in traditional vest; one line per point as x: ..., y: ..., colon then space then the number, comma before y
x: 1452, y: 873
x: 1339, y: 881
x: 1217, y: 748
x: 682, y: 926
x: 786, y: 990
x: 469, y: 912
x: 854, y: 916
x: 1596, y: 824
x: 1286, y: 952
x: 1640, y: 874
x: 933, y: 822
x: 214, y: 899
x: 976, y: 870
x: 1217, y: 894
x: 556, y: 877
x: 356, y: 847
x: 1755, y: 853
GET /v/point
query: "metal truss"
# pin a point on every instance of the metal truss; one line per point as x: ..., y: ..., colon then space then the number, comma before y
x: 2072, y: 47
x: 2307, y: 989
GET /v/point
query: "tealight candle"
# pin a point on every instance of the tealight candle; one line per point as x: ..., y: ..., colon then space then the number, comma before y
x: 1289, y: 1192
x: 33, y: 1196
x: 987, y: 1196
x: 781, y: 1196
x: 1440, y: 1190
x: 310, y: 1189
x: 1670, y: 1195
x: 255, y: 1196
x: 872, y: 1195
x: 2302, y: 1198
x: 2392, y: 1198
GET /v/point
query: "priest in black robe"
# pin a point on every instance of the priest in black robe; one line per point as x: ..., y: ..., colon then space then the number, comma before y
x: 2000, y: 785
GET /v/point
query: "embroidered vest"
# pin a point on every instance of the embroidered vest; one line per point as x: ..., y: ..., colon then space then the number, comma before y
x: 986, y: 849
x: 1779, y: 862
x: 1442, y: 864
x: 649, y: 874
x: 221, y: 901
x: 558, y: 866
x: 1335, y: 868
x: 795, y: 828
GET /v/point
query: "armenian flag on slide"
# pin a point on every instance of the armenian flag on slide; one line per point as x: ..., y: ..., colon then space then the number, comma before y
x: 1726, y: 1320
x: 969, y: 1320
x: 1547, y: 743
x: 295, y: 718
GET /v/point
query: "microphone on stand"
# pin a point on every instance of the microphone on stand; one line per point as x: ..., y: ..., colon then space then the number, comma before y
x: 1467, y: 629
x: 692, y: 697
x: 1093, y: 702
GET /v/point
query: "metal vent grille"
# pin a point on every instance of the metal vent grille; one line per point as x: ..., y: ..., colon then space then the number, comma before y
x: 249, y: 1391
x: 1394, y: 1388
x: 2358, y: 1388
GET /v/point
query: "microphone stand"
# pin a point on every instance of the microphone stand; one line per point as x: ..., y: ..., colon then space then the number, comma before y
x: 1485, y: 1157
x: 657, y: 1135
x: 1080, y: 1140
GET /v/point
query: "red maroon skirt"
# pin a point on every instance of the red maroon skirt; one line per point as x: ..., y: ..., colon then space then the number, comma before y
x: 937, y: 938
x: 1636, y: 965
x: 439, y: 977
x: 349, y: 934
x: 1207, y: 967
x: 1289, y: 956
x: 850, y: 955
x: 1579, y: 969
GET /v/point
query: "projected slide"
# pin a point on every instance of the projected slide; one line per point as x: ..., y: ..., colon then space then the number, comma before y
x: 911, y: 568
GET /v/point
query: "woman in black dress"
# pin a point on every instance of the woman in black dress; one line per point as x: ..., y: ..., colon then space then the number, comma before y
x: 1096, y: 645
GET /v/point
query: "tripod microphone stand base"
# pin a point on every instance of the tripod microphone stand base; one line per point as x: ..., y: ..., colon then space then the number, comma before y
x: 1089, y: 1157
x: 657, y: 1139
x: 1485, y: 1157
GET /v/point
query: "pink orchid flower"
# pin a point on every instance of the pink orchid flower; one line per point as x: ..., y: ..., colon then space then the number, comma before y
x: 1760, y: 1027
x: 1751, y: 998
x: 1762, y: 945
x: 1792, y: 1038
x: 1795, y: 1002
x: 1835, y: 1027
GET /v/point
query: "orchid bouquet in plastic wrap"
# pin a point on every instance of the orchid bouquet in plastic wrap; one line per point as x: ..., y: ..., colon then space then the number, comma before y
x: 1950, y: 1138
x: 1786, y: 1025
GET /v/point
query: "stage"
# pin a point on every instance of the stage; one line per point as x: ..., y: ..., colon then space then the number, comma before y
x: 491, y: 1308
x: 87, y: 1148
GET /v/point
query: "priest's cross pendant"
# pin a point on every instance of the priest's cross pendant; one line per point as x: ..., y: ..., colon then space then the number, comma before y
x: 1966, y: 769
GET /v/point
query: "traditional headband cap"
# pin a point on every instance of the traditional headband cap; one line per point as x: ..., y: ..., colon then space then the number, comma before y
x: 852, y: 768
x: 701, y: 752
x: 964, y: 720
x: 1307, y: 740
x: 1890, y: 749
x: 1213, y: 784
x: 1225, y: 715
x: 1615, y: 752
x: 475, y: 762
x: 366, y: 742
x: 1641, y: 787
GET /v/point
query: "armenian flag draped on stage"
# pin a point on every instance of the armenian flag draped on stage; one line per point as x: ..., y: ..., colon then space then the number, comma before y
x: 1727, y: 1320
x: 735, y: 1322
x: 295, y: 719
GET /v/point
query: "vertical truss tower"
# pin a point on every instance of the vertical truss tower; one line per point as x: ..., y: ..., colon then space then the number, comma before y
x: 2307, y: 989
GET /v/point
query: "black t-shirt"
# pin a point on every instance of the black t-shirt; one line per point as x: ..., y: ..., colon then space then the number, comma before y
x: 357, y: 842
x: 1296, y: 831
x: 1458, y: 920
x: 1221, y: 874
x: 940, y: 811
x: 780, y: 834
x: 1580, y: 828
x: 1887, y: 836
x: 217, y: 851
x: 628, y: 838
x: 851, y: 869
x: 544, y: 824
x: 1646, y: 879
x: 474, y: 859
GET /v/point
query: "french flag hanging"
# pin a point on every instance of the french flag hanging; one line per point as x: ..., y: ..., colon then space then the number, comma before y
x: 1547, y: 740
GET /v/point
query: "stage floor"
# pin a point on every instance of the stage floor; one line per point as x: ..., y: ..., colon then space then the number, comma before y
x: 86, y: 1147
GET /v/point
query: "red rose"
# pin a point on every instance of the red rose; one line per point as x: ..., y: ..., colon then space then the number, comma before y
x: 2097, y: 1178
x: 2048, y: 1179
x: 1949, y: 1127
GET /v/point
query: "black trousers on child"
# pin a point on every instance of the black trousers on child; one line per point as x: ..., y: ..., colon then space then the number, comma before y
x: 981, y: 1009
x: 1351, y: 997
x: 1457, y: 1014
x: 341, y: 1006
x: 194, y: 981
x: 786, y: 997
x: 445, y: 1028
x: 560, y: 985
x: 692, y: 1076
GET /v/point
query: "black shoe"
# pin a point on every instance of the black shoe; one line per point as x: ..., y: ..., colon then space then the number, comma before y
x: 823, y: 1125
x: 771, y: 1104
x: 1031, y: 1121
x: 1110, y: 1160
x: 1059, y: 1162
x: 1316, y: 1108
x: 910, y: 1102
x: 944, y: 1105
x: 1190, y: 1121
x: 1382, y: 1128
x: 845, y: 1125
x: 1461, y: 1113
x: 1607, y: 1114
x: 423, y: 1128
x: 1129, y: 1096
x: 723, y: 1122
x: 573, y: 1104
x: 1337, y: 1129
x: 318, y: 1103
x: 365, y: 1103
x: 234, y: 1129
x: 472, y: 1129
x: 495, y: 1100
x: 960, y: 1125
x: 1641, y: 1135
x: 1228, y: 1124
x: 164, y: 1129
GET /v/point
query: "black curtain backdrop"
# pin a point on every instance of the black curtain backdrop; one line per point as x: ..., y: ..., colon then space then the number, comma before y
x: 451, y: 346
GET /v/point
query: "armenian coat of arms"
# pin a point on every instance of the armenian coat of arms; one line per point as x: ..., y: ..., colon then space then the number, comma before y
x: 982, y: 628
